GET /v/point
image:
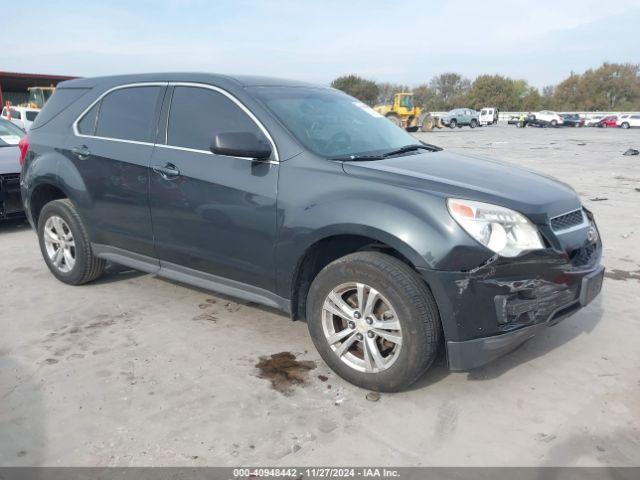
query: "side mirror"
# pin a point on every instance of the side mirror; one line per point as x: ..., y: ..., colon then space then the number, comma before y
x: 240, y: 144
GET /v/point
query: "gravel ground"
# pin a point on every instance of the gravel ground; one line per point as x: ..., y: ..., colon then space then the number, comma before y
x: 134, y: 370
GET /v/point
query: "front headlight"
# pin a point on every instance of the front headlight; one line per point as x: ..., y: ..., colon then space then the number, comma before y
x: 506, y: 232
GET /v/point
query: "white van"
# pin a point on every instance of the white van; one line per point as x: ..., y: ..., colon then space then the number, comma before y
x: 488, y: 116
x: 20, y: 116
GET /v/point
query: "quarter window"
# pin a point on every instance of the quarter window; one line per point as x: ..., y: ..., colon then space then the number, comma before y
x: 128, y: 114
x: 87, y: 125
x: 198, y: 114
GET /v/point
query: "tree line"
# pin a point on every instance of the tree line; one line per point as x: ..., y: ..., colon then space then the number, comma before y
x: 610, y: 87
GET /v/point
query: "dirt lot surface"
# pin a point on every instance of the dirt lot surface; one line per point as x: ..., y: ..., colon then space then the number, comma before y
x: 135, y: 370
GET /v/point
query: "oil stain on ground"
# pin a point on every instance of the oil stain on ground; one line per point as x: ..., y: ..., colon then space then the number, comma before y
x: 284, y: 371
x: 616, y: 274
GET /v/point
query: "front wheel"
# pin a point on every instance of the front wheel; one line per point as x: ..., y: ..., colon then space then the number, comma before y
x: 625, y: 125
x: 374, y: 321
x: 554, y: 123
x: 453, y: 123
x: 65, y: 244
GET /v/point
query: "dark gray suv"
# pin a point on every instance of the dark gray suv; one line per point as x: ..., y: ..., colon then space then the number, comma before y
x: 302, y: 198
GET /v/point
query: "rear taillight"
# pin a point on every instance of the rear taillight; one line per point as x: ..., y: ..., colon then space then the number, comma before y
x: 23, y: 145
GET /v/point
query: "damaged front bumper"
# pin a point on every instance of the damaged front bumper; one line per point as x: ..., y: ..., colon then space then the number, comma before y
x: 493, y: 309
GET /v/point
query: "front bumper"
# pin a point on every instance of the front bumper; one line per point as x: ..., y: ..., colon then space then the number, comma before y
x: 10, y: 199
x: 493, y: 309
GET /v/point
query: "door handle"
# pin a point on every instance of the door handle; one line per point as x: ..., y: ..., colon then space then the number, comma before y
x: 166, y: 172
x: 81, y: 152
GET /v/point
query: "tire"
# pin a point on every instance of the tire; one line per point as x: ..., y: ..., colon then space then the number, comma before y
x: 427, y: 124
x: 554, y: 123
x: 81, y: 266
x: 393, y: 118
x: 625, y: 125
x: 453, y: 123
x: 410, y: 301
x: 473, y: 123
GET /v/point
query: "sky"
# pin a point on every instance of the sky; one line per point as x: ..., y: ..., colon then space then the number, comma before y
x: 404, y: 42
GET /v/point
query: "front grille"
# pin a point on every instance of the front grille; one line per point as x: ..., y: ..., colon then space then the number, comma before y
x: 10, y: 201
x: 568, y: 220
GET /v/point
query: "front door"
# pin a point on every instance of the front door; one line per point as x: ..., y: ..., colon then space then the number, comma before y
x: 212, y: 213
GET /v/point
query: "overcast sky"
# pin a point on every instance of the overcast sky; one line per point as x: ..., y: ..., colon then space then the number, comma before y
x: 405, y: 42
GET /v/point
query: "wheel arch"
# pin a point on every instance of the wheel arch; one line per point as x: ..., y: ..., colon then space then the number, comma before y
x: 335, y: 242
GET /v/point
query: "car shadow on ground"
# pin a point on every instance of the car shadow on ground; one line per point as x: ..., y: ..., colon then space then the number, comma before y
x: 583, y: 322
x: 115, y: 273
x: 13, y: 225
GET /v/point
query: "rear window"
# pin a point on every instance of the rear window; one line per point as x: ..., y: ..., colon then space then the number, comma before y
x: 59, y: 101
x: 128, y: 114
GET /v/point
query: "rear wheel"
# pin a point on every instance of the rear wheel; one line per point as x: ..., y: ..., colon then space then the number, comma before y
x: 373, y: 321
x: 65, y: 244
x: 625, y: 125
x: 473, y: 123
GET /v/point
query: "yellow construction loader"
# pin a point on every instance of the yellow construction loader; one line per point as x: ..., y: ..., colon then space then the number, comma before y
x: 38, y: 96
x: 406, y: 115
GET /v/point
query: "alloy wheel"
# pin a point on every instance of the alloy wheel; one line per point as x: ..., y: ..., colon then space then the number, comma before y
x: 361, y: 327
x: 59, y: 243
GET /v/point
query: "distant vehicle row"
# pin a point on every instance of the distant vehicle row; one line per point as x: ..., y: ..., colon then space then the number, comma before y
x: 548, y: 118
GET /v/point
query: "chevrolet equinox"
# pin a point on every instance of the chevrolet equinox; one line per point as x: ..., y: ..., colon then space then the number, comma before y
x: 302, y: 198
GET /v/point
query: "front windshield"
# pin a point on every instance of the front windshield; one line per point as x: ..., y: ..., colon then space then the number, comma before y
x: 331, y: 123
x: 9, y: 133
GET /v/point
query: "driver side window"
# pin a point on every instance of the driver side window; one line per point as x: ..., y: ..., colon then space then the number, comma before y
x: 198, y: 114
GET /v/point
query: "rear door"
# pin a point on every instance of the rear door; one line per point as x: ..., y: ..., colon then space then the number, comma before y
x: 111, y: 150
x: 212, y: 213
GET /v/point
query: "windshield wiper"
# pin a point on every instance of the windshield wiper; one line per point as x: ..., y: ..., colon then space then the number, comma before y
x: 382, y: 156
x: 413, y: 148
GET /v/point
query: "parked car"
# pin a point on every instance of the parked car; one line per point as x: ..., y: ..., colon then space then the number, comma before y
x: 304, y: 199
x: 488, y: 116
x: 608, y: 122
x: 460, y: 117
x: 628, y: 120
x: 10, y: 201
x: 593, y: 120
x: 23, y: 117
x: 545, y: 118
x: 572, y: 120
x: 513, y: 120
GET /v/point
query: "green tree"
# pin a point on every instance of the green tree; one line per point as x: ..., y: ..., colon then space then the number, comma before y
x: 364, y: 90
x: 386, y: 91
x: 425, y: 97
x: 450, y: 89
x: 494, y: 91
x: 612, y: 86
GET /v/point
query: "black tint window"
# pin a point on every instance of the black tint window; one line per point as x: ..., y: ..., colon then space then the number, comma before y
x: 15, y: 114
x: 128, y: 114
x: 87, y: 125
x: 31, y: 116
x: 198, y: 115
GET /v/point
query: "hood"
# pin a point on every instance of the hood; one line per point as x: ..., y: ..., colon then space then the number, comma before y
x: 9, y: 160
x: 474, y: 177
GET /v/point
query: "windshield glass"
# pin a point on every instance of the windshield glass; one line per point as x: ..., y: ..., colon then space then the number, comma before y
x: 331, y: 123
x: 9, y: 133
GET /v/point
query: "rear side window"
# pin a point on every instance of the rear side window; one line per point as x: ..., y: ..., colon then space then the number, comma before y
x: 128, y: 114
x: 59, y: 101
x: 31, y: 116
x: 197, y: 115
x: 87, y: 126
